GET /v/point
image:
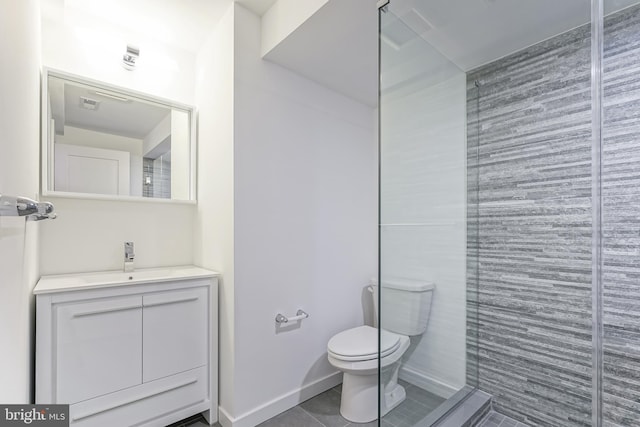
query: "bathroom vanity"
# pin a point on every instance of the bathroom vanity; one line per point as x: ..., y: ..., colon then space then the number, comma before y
x: 137, y: 348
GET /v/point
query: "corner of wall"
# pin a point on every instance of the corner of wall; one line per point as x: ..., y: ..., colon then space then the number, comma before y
x: 213, y: 238
x: 283, y: 18
x: 19, y: 175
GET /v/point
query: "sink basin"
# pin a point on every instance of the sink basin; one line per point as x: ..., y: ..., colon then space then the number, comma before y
x: 118, y: 278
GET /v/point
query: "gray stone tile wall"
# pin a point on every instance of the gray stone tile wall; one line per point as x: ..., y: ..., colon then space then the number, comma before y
x: 621, y: 219
x: 529, y: 232
x: 147, y: 171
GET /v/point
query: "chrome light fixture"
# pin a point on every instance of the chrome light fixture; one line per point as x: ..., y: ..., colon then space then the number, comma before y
x: 130, y: 57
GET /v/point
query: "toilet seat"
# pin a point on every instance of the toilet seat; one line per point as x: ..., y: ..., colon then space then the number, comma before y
x: 361, y: 344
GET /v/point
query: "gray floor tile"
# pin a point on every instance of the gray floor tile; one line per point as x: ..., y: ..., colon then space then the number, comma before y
x: 371, y: 424
x: 418, y: 404
x: 509, y: 422
x: 496, y: 419
x: 325, y: 407
x: 294, y: 417
x: 424, y: 397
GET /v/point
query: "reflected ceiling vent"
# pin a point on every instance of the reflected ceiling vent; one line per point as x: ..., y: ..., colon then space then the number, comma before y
x: 89, y: 104
x: 418, y: 23
x: 396, y: 34
x: 408, y: 27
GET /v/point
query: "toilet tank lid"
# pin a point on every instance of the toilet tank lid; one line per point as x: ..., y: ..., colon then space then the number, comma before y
x: 407, y: 285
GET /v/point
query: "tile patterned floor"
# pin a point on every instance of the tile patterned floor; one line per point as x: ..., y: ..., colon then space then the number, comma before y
x: 494, y: 419
x: 323, y: 410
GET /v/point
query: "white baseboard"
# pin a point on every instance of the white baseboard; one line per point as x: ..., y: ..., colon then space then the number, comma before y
x: 280, y: 404
x: 427, y: 382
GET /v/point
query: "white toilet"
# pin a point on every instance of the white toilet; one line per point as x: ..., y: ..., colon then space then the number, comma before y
x: 355, y: 351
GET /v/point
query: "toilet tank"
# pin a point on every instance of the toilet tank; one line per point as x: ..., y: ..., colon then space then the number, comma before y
x: 406, y: 305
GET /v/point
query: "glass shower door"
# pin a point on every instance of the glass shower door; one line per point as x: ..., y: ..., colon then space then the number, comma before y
x: 423, y: 225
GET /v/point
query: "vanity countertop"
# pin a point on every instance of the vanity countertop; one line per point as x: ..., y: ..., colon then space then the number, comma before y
x: 80, y: 281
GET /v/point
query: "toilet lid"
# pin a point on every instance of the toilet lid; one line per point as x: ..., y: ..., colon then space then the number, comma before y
x: 361, y: 343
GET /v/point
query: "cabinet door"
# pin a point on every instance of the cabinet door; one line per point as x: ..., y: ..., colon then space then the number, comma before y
x: 98, y: 347
x: 175, y: 337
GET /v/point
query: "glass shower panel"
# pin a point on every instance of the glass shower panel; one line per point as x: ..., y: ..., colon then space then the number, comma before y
x: 423, y: 227
x: 621, y: 214
x: 485, y: 191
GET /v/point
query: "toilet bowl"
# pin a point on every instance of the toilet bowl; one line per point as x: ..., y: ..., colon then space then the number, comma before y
x: 357, y: 354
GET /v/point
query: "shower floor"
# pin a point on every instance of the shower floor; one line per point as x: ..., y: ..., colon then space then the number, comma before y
x: 495, y: 419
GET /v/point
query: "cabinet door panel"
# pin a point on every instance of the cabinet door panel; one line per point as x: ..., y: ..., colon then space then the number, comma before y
x: 98, y: 347
x: 175, y: 337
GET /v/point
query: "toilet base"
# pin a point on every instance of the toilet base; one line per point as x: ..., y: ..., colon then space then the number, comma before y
x: 359, y: 397
x: 392, y: 398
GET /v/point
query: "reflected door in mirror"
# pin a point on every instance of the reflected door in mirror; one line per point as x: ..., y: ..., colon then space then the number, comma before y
x: 91, y: 170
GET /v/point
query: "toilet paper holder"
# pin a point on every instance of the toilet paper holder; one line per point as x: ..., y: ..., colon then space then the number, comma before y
x: 280, y: 318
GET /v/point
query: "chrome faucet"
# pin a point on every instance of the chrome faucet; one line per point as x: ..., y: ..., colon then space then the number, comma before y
x: 128, y: 256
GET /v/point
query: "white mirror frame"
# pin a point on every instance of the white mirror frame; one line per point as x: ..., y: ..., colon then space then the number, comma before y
x: 46, y: 160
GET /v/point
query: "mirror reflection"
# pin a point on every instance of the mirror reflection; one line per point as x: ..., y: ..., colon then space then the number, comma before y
x: 109, y: 142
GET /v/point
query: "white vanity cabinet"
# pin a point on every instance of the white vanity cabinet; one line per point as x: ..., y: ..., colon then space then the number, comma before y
x: 127, y: 349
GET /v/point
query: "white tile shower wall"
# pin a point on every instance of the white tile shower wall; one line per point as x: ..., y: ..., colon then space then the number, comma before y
x: 94, y: 231
x: 19, y: 172
x: 305, y: 222
x: 423, y: 183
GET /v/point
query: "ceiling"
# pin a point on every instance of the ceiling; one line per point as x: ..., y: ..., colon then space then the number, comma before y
x: 473, y: 33
x: 185, y: 24
x: 434, y: 39
x: 337, y: 46
x: 257, y: 6
x: 130, y: 117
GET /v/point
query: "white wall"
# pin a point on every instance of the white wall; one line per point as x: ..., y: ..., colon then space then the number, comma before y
x: 180, y: 154
x: 19, y: 172
x: 214, y: 222
x: 79, y: 43
x: 90, y: 138
x: 424, y: 182
x: 89, y: 235
x: 283, y: 18
x: 305, y: 225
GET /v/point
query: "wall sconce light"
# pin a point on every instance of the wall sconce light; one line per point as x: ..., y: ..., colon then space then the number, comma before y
x: 130, y: 57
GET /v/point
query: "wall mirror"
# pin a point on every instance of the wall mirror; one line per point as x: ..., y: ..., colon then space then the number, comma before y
x: 101, y: 141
